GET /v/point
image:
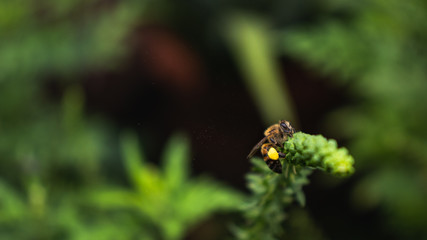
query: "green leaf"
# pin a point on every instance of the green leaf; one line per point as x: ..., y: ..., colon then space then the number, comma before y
x: 172, y: 201
x: 175, y: 161
x: 12, y: 207
x: 134, y: 160
x: 203, y: 197
x: 111, y: 198
x: 250, y: 40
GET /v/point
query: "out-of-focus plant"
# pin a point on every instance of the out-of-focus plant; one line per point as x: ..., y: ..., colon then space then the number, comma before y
x: 273, y: 194
x: 380, y: 50
x: 53, y: 139
x: 53, y: 196
x: 250, y: 40
x: 46, y: 173
x: 41, y: 214
x: 64, y: 37
x: 58, y: 40
x: 51, y: 152
x: 167, y: 198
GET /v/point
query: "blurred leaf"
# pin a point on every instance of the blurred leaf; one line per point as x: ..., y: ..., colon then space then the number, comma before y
x: 72, y: 109
x: 381, y: 49
x: 134, y: 161
x: 12, y: 208
x: 57, y: 41
x: 175, y: 161
x: 250, y: 41
x: 300, y: 198
x: 327, y: 39
x: 108, y: 197
x: 204, y: 197
x: 175, y: 208
x: 407, y: 203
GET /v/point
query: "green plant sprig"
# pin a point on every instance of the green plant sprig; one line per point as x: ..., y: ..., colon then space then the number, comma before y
x: 272, y: 193
x: 316, y: 151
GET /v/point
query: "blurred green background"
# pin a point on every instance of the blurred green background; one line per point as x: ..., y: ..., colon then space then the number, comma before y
x: 127, y: 119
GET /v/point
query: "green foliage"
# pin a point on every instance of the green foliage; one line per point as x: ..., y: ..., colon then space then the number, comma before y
x: 273, y: 194
x: 167, y: 201
x: 53, y: 138
x: 380, y: 189
x: 168, y: 198
x: 318, y: 152
x: 59, y: 40
x: 12, y: 205
x: 380, y: 51
x: 51, y: 152
x: 48, y: 165
x: 250, y: 41
x: 56, y: 42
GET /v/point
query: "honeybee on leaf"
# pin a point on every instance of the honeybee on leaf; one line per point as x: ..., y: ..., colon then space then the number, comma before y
x: 276, y: 135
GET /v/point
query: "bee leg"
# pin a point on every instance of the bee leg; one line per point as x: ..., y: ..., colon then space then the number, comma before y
x: 273, y: 164
x: 282, y: 155
x: 273, y: 141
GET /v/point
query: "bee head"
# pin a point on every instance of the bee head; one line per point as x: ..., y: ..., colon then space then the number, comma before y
x: 286, y: 127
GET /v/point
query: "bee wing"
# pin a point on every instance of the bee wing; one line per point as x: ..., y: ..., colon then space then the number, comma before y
x: 254, y: 149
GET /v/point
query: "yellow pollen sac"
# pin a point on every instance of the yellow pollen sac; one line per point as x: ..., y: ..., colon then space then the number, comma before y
x: 272, y: 154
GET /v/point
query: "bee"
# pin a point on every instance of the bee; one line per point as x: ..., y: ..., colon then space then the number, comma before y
x: 276, y: 135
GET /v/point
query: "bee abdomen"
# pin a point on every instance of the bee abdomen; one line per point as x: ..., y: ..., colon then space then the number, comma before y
x: 274, y: 165
x: 271, y: 157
